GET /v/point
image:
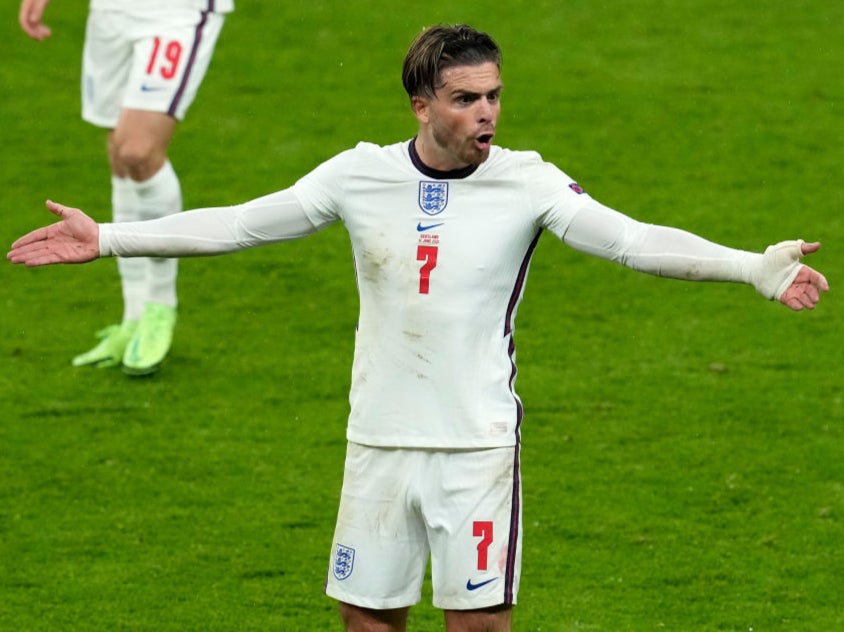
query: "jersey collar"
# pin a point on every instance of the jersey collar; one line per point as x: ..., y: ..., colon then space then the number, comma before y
x: 453, y: 174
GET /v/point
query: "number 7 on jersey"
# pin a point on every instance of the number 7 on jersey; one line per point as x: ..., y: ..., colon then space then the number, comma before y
x: 428, y: 254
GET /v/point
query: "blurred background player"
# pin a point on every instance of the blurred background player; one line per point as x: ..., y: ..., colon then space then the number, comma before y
x: 143, y: 62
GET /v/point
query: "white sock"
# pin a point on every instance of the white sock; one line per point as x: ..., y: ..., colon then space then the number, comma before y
x: 124, y: 204
x: 160, y: 196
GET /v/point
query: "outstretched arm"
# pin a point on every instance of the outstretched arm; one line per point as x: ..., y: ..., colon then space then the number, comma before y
x: 670, y: 252
x: 210, y: 231
x: 75, y: 239
x: 30, y: 19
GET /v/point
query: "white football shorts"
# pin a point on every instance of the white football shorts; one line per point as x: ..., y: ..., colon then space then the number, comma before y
x: 145, y: 62
x: 463, y: 507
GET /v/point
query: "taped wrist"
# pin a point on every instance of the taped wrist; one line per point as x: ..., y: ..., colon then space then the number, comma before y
x: 776, y: 269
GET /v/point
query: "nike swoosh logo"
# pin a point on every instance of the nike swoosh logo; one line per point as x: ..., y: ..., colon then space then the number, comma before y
x: 471, y: 586
x: 145, y: 88
x: 422, y: 228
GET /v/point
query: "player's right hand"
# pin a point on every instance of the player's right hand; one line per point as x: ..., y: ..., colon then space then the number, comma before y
x: 75, y: 239
x: 30, y: 19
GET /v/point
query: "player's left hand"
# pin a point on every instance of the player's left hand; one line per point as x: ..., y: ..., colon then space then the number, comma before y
x: 804, y: 291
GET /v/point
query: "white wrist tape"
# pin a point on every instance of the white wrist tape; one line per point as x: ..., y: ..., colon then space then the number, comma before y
x: 777, y: 268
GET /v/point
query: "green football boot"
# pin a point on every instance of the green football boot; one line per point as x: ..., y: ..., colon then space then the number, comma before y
x: 151, y: 342
x: 113, y: 342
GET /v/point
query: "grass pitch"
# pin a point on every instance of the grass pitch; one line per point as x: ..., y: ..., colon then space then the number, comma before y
x: 683, y: 459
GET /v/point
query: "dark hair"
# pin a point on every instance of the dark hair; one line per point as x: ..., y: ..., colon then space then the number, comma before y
x: 440, y: 47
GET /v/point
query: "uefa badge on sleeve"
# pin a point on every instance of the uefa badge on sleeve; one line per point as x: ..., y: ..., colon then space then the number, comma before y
x: 344, y: 562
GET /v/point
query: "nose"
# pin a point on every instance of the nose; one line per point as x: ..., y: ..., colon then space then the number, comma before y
x: 486, y: 110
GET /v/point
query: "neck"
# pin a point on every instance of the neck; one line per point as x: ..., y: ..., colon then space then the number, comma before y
x: 432, y: 172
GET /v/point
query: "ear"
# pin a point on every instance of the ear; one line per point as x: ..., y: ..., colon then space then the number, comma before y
x: 419, y: 105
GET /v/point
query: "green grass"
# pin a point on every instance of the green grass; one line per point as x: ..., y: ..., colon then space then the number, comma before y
x: 683, y: 456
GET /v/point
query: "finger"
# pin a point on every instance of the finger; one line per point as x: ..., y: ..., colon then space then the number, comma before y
x: 796, y: 297
x: 819, y: 280
x: 37, y: 253
x: 39, y: 234
x: 48, y: 258
x: 794, y: 304
x: 808, y: 249
x: 35, y: 30
x: 797, y: 301
x: 812, y: 277
x: 33, y: 261
x: 38, y: 31
x: 806, y: 299
x: 57, y: 209
x: 29, y: 256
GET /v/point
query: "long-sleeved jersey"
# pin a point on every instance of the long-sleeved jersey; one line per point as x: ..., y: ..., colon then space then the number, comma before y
x: 441, y: 260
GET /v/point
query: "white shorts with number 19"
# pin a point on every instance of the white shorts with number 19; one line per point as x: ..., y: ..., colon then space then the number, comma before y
x: 398, y: 505
x: 145, y: 61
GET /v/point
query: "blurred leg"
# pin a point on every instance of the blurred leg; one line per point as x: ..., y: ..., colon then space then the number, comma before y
x: 357, y: 619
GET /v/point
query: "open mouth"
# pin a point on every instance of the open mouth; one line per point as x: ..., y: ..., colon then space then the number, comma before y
x: 484, y: 140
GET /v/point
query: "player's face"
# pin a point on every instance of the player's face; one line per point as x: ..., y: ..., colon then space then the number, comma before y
x: 456, y: 127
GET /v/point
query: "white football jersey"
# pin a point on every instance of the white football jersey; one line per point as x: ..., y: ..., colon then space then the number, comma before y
x: 147, y: 7
x: 441, y: 261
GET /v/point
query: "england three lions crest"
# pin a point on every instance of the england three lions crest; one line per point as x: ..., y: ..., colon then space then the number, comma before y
x: 344, y: 562
x: 433, y: 196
